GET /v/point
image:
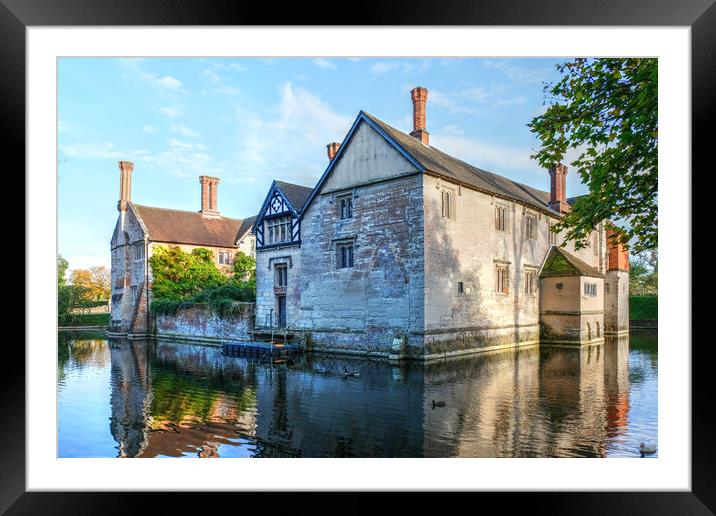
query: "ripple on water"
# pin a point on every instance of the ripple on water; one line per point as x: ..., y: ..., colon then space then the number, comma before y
x: 141, y: 399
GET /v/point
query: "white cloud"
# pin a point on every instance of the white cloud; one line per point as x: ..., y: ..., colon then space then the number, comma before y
x: 185, y: 131
x: 227, y: 66
x: 291, y: 145
x: 212, y: 75
x: 228, y: 90
x: 183, y: 159
x: 89, y: 150
x: 171, y: 111
x: 517, y: 73
x: 149, y: 129
x: 476, y: 99
x: 384, y: 67
x: 403, y: 66
x: 165, y: 82
x: 168, y: 82
x: 324, y: 63
x: 482, y: 154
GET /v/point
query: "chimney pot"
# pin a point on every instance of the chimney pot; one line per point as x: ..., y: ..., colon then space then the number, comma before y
x: 333, y: 150
x: 419, y: 96
x: 209, y: 188
x: 125, y: 184
x: 558, y: 188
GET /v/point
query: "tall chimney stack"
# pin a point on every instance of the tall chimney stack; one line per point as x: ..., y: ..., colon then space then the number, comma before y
x: 332, y: 150
x: 125, y: 184
x: 419, y: 96
x: 558, y: 188
x: 209, y: 187
x: 618, y: 256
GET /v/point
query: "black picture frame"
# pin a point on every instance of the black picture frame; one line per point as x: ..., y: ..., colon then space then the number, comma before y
x: 700, y: 15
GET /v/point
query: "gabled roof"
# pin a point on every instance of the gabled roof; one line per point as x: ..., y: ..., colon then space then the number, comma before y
x: 297, y: 195
x: 560, y: 263
x: 189, y: 227
x: 247, y: 225
x: 433, y: 161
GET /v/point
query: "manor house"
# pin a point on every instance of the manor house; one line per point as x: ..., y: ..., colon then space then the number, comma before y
x: 140, y: 229
x: 401, y: 250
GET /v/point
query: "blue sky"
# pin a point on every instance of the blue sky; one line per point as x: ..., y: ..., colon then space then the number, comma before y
x: 252, y: 120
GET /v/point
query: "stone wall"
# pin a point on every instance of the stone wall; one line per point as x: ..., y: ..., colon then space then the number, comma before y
x: 128, y: 270
x: 266, y: 296
x: 197, y: 323
x: 363, y: 308
x: 616, y: 302
x: 568, y: 316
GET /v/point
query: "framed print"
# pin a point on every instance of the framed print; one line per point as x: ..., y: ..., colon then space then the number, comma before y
x: 401, y: 250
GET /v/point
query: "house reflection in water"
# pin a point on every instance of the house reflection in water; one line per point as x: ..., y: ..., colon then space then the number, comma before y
x: 175, y: 399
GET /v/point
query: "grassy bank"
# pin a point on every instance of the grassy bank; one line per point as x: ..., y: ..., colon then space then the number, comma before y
x: 643, y: 308
x: 85, y: 320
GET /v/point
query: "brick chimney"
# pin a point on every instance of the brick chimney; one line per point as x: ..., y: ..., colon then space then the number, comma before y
x: 420, y: 99
x: 618, y: 256
x: 333, y: 150
x: 209, y: 187
x: 125, y: 184
x: 558, y: 188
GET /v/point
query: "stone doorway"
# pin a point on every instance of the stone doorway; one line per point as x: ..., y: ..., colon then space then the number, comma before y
x: 281, y: 318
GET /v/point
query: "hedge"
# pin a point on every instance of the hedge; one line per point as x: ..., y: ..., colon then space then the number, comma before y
x: 643, y: 308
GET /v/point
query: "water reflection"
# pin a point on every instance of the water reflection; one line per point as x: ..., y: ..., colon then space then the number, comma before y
x: 174, y: 400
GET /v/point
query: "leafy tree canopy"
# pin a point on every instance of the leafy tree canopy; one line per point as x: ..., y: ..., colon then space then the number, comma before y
x: 179, y: 275
x: 95, y: 280
x: 182, y: 279
x: 644, y: 274
x: 607, y: 110
x: 62, y: 266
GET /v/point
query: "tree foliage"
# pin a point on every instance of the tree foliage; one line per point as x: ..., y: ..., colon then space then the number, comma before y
x: 607, y: 110
x: 245, y: 270
x: 183, y: 279
x: 96, y: 281
x: 644, y: 274
x: 179, y: 275
x: 62, y: 266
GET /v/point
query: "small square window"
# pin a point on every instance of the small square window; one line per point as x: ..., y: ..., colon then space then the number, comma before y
x: 590, y: 289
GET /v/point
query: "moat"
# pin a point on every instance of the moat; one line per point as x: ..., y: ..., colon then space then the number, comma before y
x: 119, y: 398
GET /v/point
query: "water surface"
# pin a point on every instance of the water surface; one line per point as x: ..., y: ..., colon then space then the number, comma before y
x: 119, y: 398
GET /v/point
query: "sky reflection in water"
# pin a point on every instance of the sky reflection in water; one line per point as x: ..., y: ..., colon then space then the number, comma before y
x: 136, y: 399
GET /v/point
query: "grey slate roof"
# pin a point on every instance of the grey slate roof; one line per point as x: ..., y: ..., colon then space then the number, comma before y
x: 190, y: 227
x: 451, y: 168
x: 560, y: 263
x: 297, y: 195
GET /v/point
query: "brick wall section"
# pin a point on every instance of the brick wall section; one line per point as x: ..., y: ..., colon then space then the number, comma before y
x: 558, y: 188
x: 618, y: 256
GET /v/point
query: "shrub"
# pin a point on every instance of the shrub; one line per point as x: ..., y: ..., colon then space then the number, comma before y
x: 182, y: 280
